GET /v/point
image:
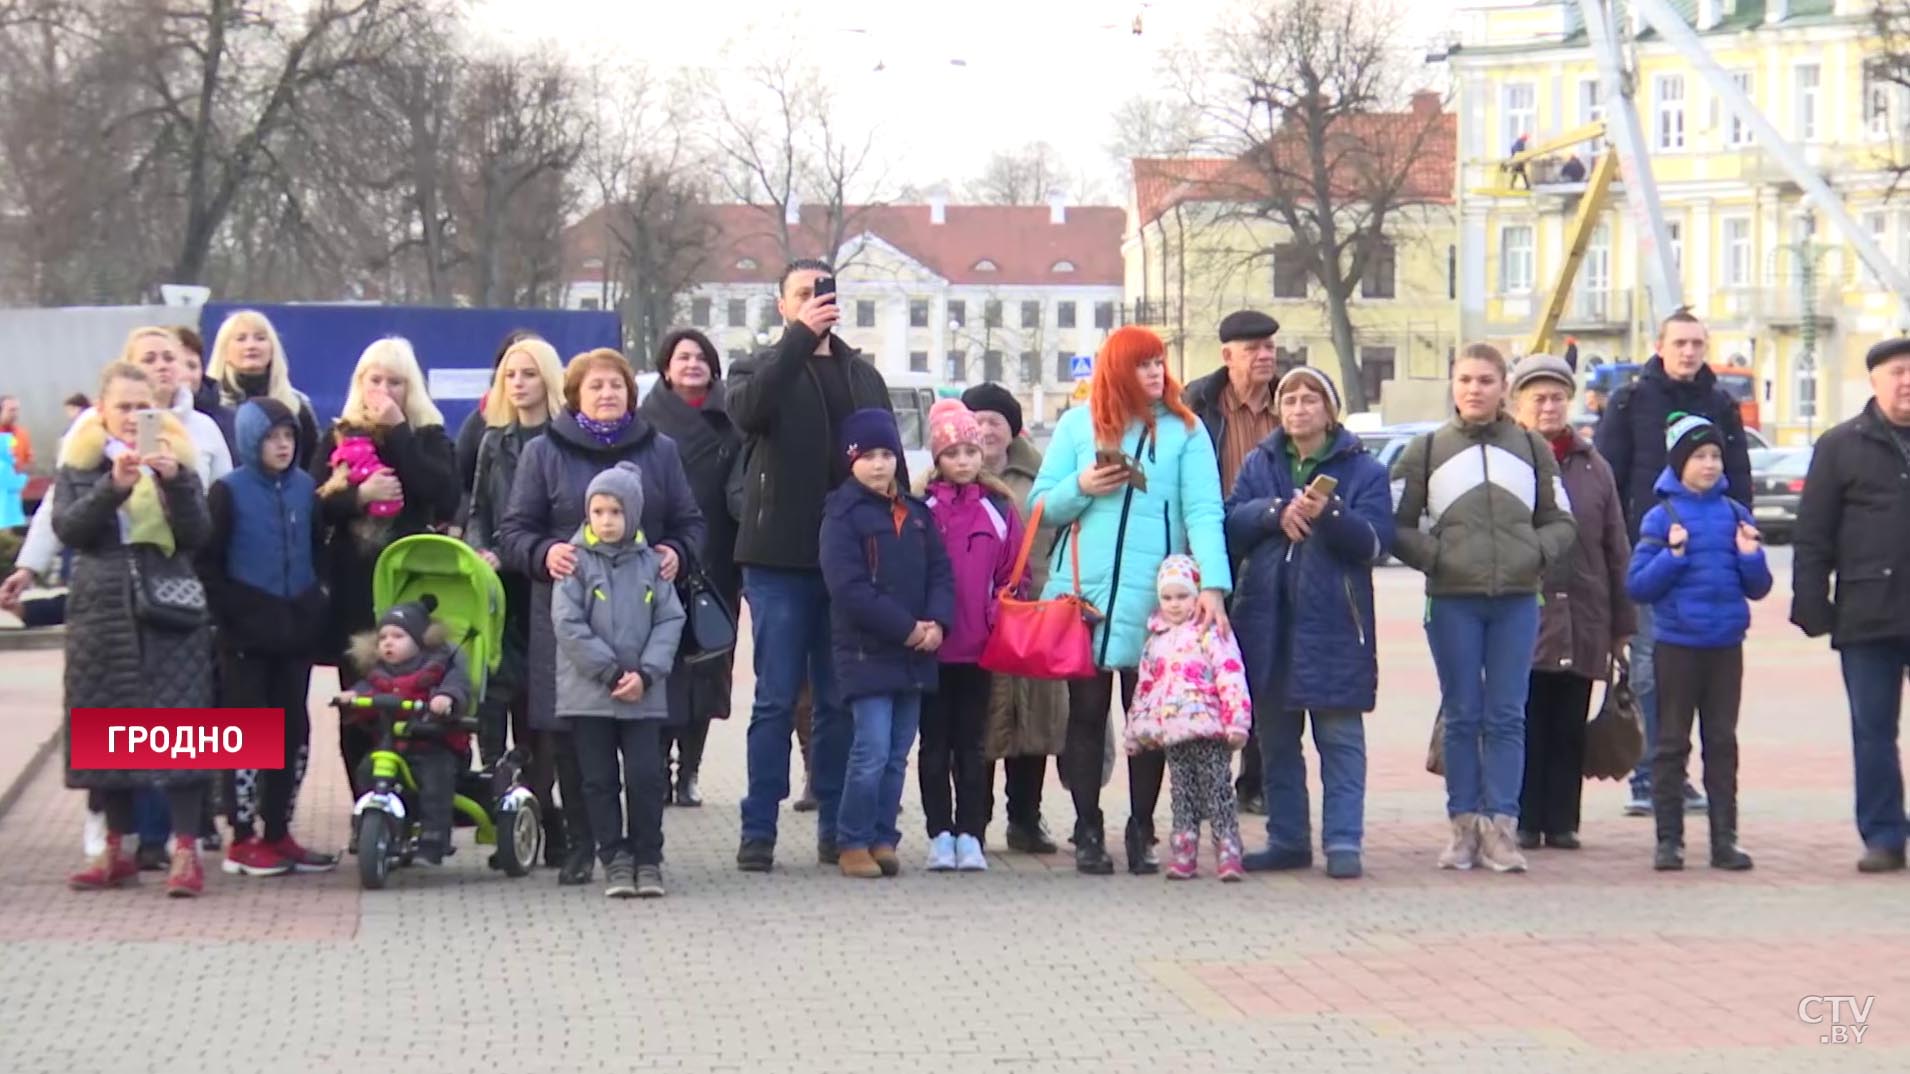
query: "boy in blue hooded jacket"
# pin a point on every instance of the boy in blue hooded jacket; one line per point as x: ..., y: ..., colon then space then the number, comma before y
x: 1699, y: 557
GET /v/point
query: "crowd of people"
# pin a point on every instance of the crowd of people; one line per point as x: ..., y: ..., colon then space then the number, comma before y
x: 1223, y: 538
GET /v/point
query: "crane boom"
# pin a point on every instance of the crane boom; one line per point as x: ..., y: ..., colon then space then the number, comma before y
x: 1591, y: 206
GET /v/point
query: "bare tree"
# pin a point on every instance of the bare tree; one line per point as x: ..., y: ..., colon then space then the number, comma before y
x: 1027, y: 175
x: 1889, y: 69
x: 1308, y: 100
x: 655, y: 184
x: 783, y: 146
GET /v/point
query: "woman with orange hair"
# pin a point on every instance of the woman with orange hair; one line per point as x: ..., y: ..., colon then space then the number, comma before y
x: 1135, y: 474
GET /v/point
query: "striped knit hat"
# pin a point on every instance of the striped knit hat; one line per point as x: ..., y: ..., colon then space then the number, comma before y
x: 1684, y: 434
x: 1316, y: 380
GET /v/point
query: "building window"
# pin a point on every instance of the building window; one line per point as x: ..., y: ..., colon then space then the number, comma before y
x: 1515, y: 259
x: 1737, y: 252
x: 991, y: 366
x: 1671, y: 111
x: 1878, y: 225
x: 1675, y: 236
x: 918, y: 361
x: 1063, y: 266
x: 1289, y: 271
x: 958, y: 313
x: 738, y: 312
x: 1452, y: 270
x: 1031, y: 315
x: 588, y: 304
x: 1381, y: 267
x: 700, y: 312
x: 746, y: 264
x: 985, y: 265
x: 1595, y: 277
x: 1808, y: 77
x: 1376, y: 368
x: 1104, y: 315
x: 1519, y: 102
x: 1063, y: 367
x: 1287, y: 359
x: 1030, y: 367
x: 865, y: 314
x: 1591, y: 109
x: 991, y: 313
x: 1881, y: 100
x: 1064, y: 314
x: 955, y: 370
x: 1741, y: 131
x: 918, y: 313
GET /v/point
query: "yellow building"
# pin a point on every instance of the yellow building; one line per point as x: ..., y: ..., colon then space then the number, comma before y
x: 1190, y: 260
x: 1736, y: 222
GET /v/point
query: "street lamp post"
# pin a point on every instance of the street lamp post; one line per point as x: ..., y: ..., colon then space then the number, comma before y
x: 1807, y: 252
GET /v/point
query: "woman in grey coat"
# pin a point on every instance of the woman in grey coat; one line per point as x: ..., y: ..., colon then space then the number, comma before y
x: 125, y: 516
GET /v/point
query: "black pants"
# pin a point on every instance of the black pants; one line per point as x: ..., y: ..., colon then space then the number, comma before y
x: 504, y: 711
x: 688, y: 741
x: 1023, y: 780
x: 954, y: 718
x: 434, y: 767
x: 1251, y: 783
x: 270, y: 796
x: 561, y: 748
x: 1556, y: 704
x: 598, y: 741
x: 185, y: 803
x: 355, y: 739
x: 1088, y: 701
x: 1707, y: 684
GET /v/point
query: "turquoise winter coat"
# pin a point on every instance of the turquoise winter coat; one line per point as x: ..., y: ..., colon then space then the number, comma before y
x: 1181, y: 510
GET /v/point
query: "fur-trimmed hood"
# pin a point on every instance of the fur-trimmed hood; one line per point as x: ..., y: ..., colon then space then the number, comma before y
x: 85, y: 445
x: 364, y: 646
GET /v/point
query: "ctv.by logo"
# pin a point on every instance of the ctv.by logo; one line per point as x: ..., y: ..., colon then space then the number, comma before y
x: 1845, y: 1019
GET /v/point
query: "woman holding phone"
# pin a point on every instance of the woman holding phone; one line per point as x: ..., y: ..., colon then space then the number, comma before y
x: 1136, y: 475
x: 1311, y: 516
x: 1498, y: 523
x: 387, y: 408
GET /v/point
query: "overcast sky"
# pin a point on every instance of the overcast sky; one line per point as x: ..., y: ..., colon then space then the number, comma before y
x: 1050, y: 70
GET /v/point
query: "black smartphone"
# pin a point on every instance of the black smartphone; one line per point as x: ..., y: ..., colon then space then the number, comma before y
x: 826, y: 285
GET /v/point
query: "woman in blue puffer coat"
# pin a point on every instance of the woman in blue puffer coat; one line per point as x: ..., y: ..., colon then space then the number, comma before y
x: 1162, y: 498
x: 1303, y: 611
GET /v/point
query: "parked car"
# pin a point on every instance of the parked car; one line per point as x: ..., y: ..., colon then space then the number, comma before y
x: 1777, y: 486
x: 1386, y: 443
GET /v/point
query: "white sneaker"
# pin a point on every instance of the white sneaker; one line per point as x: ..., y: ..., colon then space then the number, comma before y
x: 968, y: 855
x: 941, y: 853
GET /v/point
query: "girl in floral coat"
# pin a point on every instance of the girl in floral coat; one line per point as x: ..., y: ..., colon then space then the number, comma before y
x: 1193, y: 703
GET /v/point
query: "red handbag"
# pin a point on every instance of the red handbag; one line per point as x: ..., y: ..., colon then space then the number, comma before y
x: 1043, y: 639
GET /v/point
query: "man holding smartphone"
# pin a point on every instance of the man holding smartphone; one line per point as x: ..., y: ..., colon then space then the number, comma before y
x: 790, y: 401
x: 1235, y: 403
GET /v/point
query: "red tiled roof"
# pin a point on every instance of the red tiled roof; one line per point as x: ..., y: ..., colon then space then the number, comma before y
x: 1019, y: 240
x: 1375, y: 141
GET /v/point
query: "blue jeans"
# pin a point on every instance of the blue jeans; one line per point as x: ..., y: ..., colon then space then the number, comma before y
x: 1873, y: 680
x: 154, y: 814
x: 1340, y: 738
x: 1482, y: 647
x: 789, y: 622
x: 885, y: 726
x: 1644, y: 684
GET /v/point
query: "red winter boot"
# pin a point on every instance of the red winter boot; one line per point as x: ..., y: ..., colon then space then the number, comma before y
x: 187, y: 878
x: 1183, y: 861
x: 108, y: 869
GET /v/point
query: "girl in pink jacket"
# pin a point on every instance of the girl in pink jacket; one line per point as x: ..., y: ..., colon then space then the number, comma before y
x: 975, y: 513
x: 1192, y: 702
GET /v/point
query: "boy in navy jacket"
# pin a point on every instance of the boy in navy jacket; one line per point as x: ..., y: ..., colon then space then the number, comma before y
x: 1699, y: 556
x: 891, y: 599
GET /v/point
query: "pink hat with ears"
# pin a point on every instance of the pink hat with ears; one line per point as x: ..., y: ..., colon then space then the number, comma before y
x: 950, y: 423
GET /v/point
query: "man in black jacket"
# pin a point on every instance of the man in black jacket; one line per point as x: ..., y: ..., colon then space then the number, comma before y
x: 1631, y: 436
x: 789, y: 401
x: 1851, y: 523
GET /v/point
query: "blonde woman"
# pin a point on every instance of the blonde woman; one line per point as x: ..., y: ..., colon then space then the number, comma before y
x: 247, y: 362
x: 387, y: 410
x: 528, y: 386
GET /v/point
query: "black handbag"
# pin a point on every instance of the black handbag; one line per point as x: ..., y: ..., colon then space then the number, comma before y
x: 166, y: 594
x: 709, y: 627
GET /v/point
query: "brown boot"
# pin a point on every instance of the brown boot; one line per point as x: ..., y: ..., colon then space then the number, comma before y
x: 859, y: 863
x: 886, y: 860
x: 108, y: 869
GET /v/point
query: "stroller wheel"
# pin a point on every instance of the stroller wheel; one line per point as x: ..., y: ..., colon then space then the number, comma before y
x: 520, y: 838
x: 374, y: 848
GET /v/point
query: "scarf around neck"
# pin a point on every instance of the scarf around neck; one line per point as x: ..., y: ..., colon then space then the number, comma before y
x: 143, y: 515
x: 605, y: 432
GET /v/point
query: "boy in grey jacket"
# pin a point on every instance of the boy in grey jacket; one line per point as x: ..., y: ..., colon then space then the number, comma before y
x: 617, y: 624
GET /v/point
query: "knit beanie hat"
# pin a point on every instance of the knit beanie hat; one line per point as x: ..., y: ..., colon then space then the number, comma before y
x: 1542, y: 367
x: 413, y: 618
x: 949, y: 424
x: 1684, y: 434
x: 871, y: 428
x: 1178, y: 572
x: 995, y: 399
x: 1317, y: 380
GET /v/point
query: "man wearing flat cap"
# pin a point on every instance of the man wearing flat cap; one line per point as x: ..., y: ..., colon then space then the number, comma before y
x: 1235, y: 403
x: 1851, y: 523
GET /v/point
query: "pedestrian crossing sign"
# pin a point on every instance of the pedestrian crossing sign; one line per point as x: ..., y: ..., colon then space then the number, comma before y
x: 1081, y: 366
